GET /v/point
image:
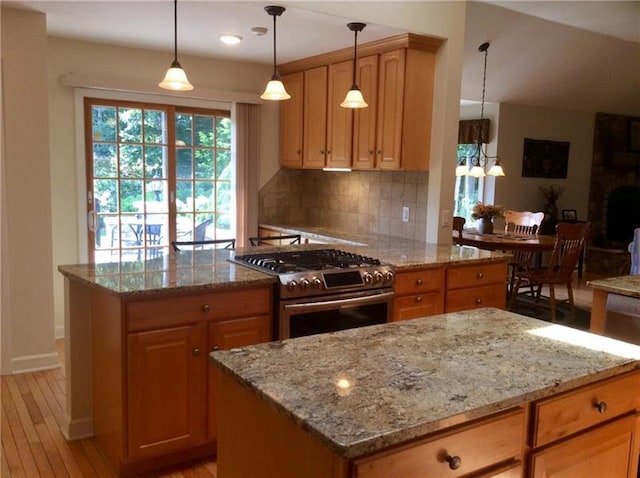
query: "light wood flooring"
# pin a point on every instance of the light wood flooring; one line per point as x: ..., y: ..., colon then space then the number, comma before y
x: 33, y: 412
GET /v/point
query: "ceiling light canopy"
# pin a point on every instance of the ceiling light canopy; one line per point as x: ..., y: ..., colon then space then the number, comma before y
x: 175, y: 78
x: 354, y: 98
x: 479, y: 160
x: 275, y: 90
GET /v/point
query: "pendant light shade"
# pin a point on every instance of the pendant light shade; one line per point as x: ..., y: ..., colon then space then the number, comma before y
x: 354, y: 97
x: 175, y: 78
x: 275, y: 90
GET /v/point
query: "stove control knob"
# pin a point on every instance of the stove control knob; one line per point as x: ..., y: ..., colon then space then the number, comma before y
x: 388, y: 276
x: 377, y: 276
x: 304, y: 283
x: 291, y: 285
x: 367, y: 277
x: 316, y: 283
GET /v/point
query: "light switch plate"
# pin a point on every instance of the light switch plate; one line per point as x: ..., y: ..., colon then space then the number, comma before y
x: 405, y: 214
x: 445, y: 218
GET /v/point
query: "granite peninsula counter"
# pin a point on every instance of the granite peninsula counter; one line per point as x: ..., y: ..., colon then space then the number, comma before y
x: 360, y: 393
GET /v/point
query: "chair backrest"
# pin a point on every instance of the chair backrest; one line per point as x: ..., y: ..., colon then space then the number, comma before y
x: 227, y: 243
x: 570, y: 240
x: 275, y: 240
x: 200, y: 231
x: 522, y: 222
x: 458, y: 225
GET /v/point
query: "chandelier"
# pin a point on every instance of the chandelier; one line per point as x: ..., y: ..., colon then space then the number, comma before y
x: 479, y: 160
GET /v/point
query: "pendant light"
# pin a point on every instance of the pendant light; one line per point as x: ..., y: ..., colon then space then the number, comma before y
x: 354, y: 97
x: 176, y: 78
x: 479, y: 159
x: 275, y: 89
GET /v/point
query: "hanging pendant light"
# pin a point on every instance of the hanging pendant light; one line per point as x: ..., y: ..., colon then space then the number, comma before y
x: 479, y: 160
x: 354, y: 97
x: 275, y: 89
x: 175, y: 78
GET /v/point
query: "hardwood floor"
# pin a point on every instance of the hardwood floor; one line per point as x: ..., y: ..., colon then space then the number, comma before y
x: 33, y: 412
x: 33, y: 445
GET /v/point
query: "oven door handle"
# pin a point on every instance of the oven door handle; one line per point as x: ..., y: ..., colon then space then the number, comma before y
x: 313, y: 306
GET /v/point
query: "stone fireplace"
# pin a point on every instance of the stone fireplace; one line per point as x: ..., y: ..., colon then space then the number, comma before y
x: 614, y: 196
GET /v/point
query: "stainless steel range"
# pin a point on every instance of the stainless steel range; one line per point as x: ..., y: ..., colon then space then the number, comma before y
x: 324, y: 290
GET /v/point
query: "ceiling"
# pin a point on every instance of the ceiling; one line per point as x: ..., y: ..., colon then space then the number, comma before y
x: 527, y: 37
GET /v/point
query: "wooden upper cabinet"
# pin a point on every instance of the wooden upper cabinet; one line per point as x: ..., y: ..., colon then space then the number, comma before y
x: 364, y: 119
x: 291, y: 121
x: 339, y: 119
x: 315, y: 118
x: 390, y: 106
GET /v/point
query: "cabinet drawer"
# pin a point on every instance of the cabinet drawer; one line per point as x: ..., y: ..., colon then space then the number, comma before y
x: 477, y: 275
x: 475, y: 297
x: 484, y: 444
x: 574, y: 411
x: 419, y: 305
x: 146, y: 314
x: 419, y: 281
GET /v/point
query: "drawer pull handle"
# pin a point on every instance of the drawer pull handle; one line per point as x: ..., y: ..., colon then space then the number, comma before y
x: 454, y: 462
x: 419, y: 299
x: 205, y: 308
x: 195, y: 352
x: 419, y: 282
x: 600, y: 406
x: 480, y: 275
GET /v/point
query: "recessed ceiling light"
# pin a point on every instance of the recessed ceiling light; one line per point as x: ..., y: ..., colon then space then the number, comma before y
x: 259, y: 31
x: 230, y: 39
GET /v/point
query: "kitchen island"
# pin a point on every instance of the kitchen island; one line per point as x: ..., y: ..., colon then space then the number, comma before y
x: 483, y: 392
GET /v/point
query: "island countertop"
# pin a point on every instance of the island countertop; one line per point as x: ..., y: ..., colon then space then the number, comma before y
x: 363, y: 390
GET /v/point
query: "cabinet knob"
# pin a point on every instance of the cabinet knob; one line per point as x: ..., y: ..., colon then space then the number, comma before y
x: 454, y: 462
x: 419, y: 282
x: 600, y: 406
x: 371, y: 151
x: 298, y: 152
x: 379, y: 151
x: 328, y: 151
x: 478, y: 301
x: 195, y: 352
x: 419, y: 299
x: 215, y: 347
x: 480, y: 275
x: 205, y: 308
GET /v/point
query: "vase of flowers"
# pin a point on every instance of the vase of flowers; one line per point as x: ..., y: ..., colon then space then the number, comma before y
x: 484, y: 214
x: 551, y: 195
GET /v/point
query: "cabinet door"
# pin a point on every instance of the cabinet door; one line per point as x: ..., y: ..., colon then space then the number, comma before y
x: 364, y: 119
x: 291, y: 121
x: 315, y: 118
x: 390, y: 109
x: 339, y: 119
x: 166, y: 390
x: 227, y: 334
x: 610, y: 450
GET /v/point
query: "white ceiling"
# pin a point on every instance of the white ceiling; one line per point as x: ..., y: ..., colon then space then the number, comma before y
x: 542, y: 52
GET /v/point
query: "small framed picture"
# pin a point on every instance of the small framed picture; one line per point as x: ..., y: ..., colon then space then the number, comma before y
x: 569, y: 215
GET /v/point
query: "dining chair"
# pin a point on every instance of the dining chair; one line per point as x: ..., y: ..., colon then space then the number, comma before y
x: 570, y: 240
x: 268, y: 240
x: 458, y: 225
x: 525, y: 223
x: 228, y: 244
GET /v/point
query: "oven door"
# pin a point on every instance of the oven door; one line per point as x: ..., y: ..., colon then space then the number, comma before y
x: 330, y: 313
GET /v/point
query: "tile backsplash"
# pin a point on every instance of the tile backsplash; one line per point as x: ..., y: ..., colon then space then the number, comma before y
x: 369, y: 202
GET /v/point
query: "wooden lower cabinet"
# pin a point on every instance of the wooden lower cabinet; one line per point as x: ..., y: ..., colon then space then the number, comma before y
x: 418, y: 293
x: 159, y: 408
x: 475, y: 286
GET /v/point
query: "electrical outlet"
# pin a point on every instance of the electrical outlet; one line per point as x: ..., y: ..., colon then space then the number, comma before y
x: 405, y: 214
x: 445, y: 218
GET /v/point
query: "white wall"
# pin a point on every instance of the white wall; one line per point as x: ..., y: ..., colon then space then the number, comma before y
x: 518, y: 122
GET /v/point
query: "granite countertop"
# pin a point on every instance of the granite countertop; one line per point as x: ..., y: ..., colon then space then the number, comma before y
x: 623, y: 285
x: 362, y: 390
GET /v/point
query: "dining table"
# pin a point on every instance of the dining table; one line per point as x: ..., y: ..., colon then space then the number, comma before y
x: 504, y: 241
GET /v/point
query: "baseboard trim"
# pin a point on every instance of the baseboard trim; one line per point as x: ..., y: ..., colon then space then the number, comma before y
x: 77, y: 429
x: 34, y: 363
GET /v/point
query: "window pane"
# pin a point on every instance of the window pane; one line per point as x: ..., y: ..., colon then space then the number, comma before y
x: 105, y: 160
x: 154, y: 126
x: 204, y: 196
x: 184, y: 163
x: 184, y: 196
x: 105, y: 192
x: 184, y: 129
x: 131, y: 161
x: 223, y: 164
x: 223, y: 196
x: 103, y: 123
x: 204, y: 164
x: 223, y: 133
x: 204, y: 130
x: 130, y: 195
x: 130, y: 125
x: 154, y: 159
x: 223, y: 226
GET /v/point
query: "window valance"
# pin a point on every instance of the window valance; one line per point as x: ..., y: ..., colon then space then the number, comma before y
x: 474, y: 131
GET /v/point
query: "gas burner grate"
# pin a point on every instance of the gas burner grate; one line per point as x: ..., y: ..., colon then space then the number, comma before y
x: 308, y: 260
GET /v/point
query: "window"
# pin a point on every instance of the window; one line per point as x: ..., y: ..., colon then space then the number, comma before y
x: 156, y: 173
x: 468, y: 189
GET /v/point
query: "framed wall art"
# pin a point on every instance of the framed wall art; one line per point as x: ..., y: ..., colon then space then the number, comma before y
x: 545, y: 159
x: 569, y: 215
